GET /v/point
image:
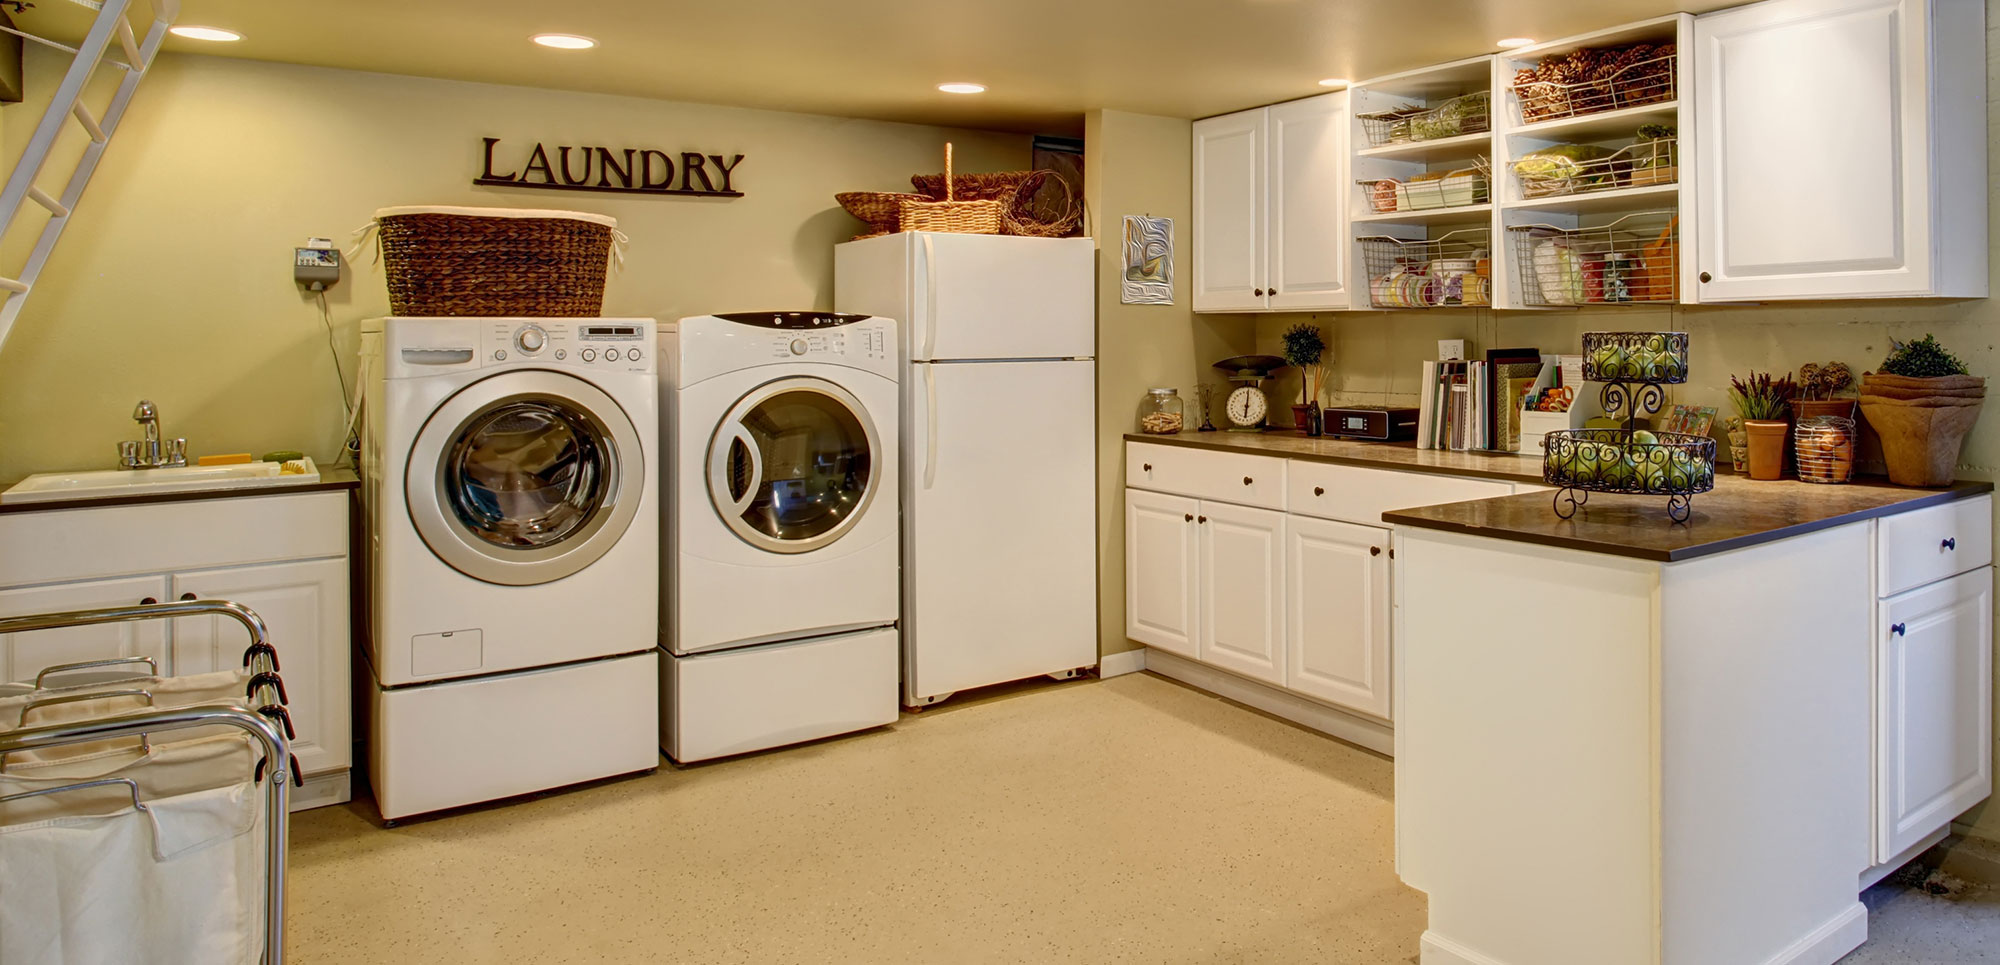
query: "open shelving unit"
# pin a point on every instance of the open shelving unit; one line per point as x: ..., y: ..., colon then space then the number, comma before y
x: 1621, y: 140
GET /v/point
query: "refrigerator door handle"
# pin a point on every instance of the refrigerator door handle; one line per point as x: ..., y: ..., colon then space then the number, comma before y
x: 930, y: 424
x: 930, y: 294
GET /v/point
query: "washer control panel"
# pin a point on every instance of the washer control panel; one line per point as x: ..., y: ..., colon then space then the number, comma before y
x: 617, y: 344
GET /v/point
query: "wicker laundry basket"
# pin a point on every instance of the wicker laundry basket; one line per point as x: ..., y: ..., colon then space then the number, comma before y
x: 495, y: 261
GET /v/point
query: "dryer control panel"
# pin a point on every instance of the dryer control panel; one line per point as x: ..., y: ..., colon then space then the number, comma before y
x: 712, y: 344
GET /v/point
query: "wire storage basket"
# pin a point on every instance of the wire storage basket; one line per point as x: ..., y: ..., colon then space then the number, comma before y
x: 1633, y: 260
x: 1824, y: 447
x: 1451, y: 270
x: 1585, y: 168
x: 1431, y: 190
x: 1465, y: 114
x: 1660, y: 357
x: 1593, y: 80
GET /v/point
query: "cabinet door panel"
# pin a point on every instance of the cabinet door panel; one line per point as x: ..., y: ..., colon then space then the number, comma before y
x: 23, y: 655
x: 304, y: 605
x: 1229, y: 198
x: 1160, y: 561
x: 1308, y: 208
x: 1813, y: 171
x: 1337, y: 613
x: 1936, y: 726
x: 1242, y: 573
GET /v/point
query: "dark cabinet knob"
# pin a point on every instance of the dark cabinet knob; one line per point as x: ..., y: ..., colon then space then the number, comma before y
x: 149, y: 601
x: 1319, y: 490
x: 187, y: 596
x: 1190, y: 517
x: 1259, y: 292
x: 1148, y: 467
x: 1898, y: 629
x: 1246, y: 480
x: 1706, y: 278
x: 1272, y: 292
x: 1951, y: 543
x: 1201, y: 519
x: 1374, y: 551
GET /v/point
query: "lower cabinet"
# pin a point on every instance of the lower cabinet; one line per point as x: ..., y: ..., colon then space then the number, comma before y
x: 1337, y: 613
x: 24, y: 655
x: 1162, y: 553
x: 1935, y: 712
x: 1242, y: 580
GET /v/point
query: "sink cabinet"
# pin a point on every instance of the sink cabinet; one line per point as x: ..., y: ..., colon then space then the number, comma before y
x: 284, y: 556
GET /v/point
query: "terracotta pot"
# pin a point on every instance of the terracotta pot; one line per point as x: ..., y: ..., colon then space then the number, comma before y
x: 1900, y: 392
x: 1930, y: 402
x: 1803, y: 409
x: 1767, y: 448
x: 1920, y: 443
x: 1299, y: 417
x: 1933, y: 383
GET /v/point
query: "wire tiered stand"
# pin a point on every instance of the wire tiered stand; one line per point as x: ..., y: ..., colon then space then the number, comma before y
x: 1633, y: 366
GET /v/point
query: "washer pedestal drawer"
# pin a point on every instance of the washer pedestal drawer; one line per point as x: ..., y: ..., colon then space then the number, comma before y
x: 755, y: 698
x: 443, y: 745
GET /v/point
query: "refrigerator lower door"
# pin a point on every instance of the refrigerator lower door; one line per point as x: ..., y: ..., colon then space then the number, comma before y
x: 999, y: 524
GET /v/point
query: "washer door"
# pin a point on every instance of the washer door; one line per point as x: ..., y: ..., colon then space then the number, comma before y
x: 793, y: 465
x: 525, y: 477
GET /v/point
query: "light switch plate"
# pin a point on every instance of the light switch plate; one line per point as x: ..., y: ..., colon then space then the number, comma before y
x: 1451, y: 350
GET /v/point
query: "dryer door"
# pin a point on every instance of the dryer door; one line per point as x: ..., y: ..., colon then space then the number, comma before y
x: 525, y: 477
x: 793, y: 465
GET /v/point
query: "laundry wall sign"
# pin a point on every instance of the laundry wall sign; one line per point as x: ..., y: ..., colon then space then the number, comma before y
x: 565, y: 167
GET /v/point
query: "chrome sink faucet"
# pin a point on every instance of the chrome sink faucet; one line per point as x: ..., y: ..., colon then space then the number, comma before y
x: 151, y: 452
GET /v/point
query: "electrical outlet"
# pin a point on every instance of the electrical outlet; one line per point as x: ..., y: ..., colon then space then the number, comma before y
x: 317, y: 265
x: 1451, y: 350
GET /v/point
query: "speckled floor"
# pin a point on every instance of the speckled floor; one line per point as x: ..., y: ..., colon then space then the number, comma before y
x: 1127, y: 820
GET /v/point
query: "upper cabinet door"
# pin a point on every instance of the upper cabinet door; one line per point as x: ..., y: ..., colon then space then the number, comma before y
x: 1307, y: 168
x: 1822, y: 146
x: 1229, y: 199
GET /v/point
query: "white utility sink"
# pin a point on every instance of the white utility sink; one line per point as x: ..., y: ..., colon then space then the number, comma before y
x: 94, y: 484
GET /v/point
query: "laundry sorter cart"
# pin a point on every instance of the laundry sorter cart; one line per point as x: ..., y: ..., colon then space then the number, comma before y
x: 143, y: 818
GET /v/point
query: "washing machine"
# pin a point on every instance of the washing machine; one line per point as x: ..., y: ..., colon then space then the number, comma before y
x: 511, y: 486
x: 780, y: 584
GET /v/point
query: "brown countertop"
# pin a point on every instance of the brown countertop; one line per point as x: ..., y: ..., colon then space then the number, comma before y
x: 330, y: 480
x: 1739, y: 512
x: 1379, y: 455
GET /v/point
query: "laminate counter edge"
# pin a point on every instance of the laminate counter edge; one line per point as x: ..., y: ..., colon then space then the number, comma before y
x: 330, y: 480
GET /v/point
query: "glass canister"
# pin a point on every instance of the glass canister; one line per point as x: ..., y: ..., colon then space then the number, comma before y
x: 1161, y: 413
x: 1824, y: 446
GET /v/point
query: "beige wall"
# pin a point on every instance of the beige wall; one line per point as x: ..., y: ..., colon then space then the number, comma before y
x: 174, y: 282
x: 1139, y: 164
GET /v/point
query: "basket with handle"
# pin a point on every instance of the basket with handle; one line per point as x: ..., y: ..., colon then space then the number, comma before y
x: 963, y: 217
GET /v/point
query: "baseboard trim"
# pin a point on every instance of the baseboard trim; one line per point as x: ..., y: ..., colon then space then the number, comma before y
x: 1435, y: 949
x: 323, y: 789
x: 1829, y: 942
x: 1122, y: 663
x: 1374, y: 736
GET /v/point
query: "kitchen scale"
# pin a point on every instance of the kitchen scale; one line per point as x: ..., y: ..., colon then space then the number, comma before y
x: 1247, y: 406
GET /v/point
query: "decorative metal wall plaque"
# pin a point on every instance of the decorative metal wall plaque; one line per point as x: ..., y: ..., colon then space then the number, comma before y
x: 1148, y: 276
x: 619, y: 170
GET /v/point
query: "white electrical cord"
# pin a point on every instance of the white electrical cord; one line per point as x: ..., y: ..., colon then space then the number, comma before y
x: 350, y: 405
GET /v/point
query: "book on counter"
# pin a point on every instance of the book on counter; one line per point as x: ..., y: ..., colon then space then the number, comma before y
x: 1468, y: 405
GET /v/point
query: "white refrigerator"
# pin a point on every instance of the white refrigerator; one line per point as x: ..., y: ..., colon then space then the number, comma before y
x: 999, y: 442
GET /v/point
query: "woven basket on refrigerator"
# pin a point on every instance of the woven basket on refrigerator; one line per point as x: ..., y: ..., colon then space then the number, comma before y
x: 963, y: 217
x: 495, y: 261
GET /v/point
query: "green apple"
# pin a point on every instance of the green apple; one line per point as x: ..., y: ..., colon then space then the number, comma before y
x: 1607, y: 360
x: 1644, y: 438
x: 1651, y: 469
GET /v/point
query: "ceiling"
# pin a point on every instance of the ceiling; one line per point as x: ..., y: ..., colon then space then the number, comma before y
x: 1045, y: 62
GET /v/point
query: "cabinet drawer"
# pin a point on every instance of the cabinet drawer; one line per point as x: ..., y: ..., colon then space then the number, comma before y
x: 1360, y: 495
x: 1229, y: 477
x: 1915, y: 548
x: 60, y: 545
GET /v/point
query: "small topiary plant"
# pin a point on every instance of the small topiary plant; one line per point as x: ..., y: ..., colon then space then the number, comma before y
x: 1921, y: 359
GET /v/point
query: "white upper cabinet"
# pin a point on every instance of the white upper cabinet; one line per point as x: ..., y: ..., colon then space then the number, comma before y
x: 1270, y: 200
x: 1307, y: 175
x: 1229, y: 198
x: 1841, y: 150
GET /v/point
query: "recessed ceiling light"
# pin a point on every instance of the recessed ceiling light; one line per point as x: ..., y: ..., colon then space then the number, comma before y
x: 205, y: 33
x: 963, y: 88
x: 1509, y: 43
x: 1335, y: 82
x: 565, y: 41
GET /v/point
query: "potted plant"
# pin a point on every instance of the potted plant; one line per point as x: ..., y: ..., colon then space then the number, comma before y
x: 1305, y: 346
x: 1818, y: 387
x: 1921, y: 404
x: 1762, y: 402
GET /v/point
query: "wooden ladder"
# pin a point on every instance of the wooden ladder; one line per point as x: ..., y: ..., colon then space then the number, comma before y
x: 111, y: 26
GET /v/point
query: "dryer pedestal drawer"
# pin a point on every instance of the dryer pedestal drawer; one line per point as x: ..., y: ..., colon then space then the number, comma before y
x: 755, y: 698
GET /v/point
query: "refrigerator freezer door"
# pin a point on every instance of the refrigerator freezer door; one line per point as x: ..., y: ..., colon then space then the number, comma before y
x: 1001, y: 297
x: 999, y: 551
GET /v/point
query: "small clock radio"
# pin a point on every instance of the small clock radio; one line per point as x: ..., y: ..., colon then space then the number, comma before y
x: 1376, y: 422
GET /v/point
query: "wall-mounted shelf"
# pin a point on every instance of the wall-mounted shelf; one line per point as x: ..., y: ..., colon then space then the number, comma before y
x: 1621, y: 199
x: 1444, y: 148
x: 1468, y: 213
x: 1590, y: 127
